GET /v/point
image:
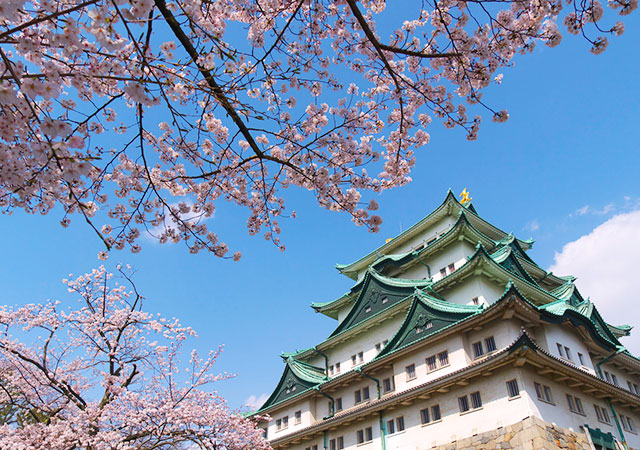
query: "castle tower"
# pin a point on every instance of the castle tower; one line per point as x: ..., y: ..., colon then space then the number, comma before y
x: 452, y: 337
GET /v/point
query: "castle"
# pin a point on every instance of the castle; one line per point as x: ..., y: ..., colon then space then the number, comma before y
x: 452, y: 337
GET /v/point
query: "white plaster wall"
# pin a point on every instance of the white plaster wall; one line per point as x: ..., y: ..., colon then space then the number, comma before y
x: 621, y: 375
x: 504, y: 333
x: 307, y: 418
x: 567, y: 336
x: 475, y: 286
x: 559, y: 413
x: 438, y: 228
x: 497, y: 410
x: 456, y: 252
x: 457, y: 360
x: 364, y: 342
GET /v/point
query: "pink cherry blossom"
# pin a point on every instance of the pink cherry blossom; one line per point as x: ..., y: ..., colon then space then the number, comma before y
x: 104, y: 374
x: 116, y: 111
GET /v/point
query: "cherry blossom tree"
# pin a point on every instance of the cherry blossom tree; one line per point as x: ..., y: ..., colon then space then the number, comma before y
x: 107, y: 375
x: 141, y: 115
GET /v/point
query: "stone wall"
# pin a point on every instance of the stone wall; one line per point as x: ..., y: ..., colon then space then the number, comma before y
x: 530, y: 434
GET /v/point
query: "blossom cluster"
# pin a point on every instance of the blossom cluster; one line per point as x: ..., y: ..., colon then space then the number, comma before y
x: 253, y: 96
x: 107, y: 375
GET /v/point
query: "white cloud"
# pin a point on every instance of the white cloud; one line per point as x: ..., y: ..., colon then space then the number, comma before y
x: 532, y: 225
x: 606, y: 262
x: 256, y: 402
x: 582, y: 211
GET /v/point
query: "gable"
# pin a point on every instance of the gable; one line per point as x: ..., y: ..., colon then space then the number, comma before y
x: 294, y: 382
x: 426, y: 318
x: 377, y: 295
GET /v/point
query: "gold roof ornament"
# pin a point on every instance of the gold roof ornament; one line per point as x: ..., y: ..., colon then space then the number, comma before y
x: 464, y: 197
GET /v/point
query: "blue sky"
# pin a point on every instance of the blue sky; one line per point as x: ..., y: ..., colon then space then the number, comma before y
x: 566, y: 162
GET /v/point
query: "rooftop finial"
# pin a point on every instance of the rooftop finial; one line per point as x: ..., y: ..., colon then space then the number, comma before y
x: 464, y: 197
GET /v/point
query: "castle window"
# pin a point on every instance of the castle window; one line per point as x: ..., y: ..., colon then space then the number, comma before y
x: 364, y: 435
x: 491, y: 344
x: 360, y: 357
x: 431, y: 363
x: 339, y: 404
x: 477, y: 349
x: 298, y: 417
x: 575, y: 404
x: 443, y: 272
x: 567, y: 352
x: 384, y: 300
x: 581, y: 358
x: 513, y: 389
x: 385, y: 342
x: 602, y: 414
x: 361, y: 395
x: 443, y: 358
x: 411, y: 372
x: 391, y: 426
x: 313, y: 447
x: 400, y: 424
x: 614, y: 379
x: 607, y: 376
x: 627, y: 423
x: 463, y: 402
x: 378, y: 347
x: 387, y: 385
x: 337, y: 368
x: 476, y: 400
x: 475, y: 300
x: 353, y: 360
x: 429, y: 415
x: 452, y: 267
x: 560, y: 349
x: 331, y: 370
x: 282, y: 423
x: 337, y: 443
x: 543, y: 393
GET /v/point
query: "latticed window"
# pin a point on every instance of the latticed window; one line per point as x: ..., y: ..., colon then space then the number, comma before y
x: 463, y: 403
x: 512, y: 388
x: 543, y: 393
x: 476, y: 400
x: 400, y: 423
x: 477, y: 349
x: 491, y: 344
x: 411, y: 372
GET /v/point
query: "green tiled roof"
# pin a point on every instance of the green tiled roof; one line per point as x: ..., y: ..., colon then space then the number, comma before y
x: 298, y: 377
x: 450, y: 200
x: 506, y: 258
x: 584, y: 311
x: 427, y: 316
x: 378, y: 293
